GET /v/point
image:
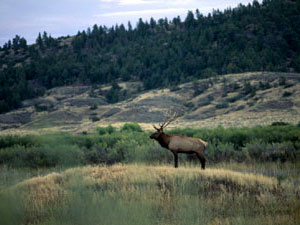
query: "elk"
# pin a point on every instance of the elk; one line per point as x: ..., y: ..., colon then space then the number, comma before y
x: 178, y: 143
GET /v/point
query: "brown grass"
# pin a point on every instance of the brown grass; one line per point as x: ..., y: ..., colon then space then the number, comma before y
x: 50, y: 188
x: 260, y: 109
x: 157, y: 194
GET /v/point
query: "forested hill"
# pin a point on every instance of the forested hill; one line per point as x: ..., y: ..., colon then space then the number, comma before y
x: 257, y: 37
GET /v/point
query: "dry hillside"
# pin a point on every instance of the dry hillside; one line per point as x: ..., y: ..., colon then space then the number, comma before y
x: 237, y: 100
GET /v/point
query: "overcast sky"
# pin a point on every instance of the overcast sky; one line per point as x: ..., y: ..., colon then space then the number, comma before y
x: 66, y: 17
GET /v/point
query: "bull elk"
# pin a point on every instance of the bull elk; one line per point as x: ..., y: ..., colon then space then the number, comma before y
x: 178, y: 143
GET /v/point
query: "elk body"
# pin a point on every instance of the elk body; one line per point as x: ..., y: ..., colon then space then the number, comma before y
x: 180, y: 144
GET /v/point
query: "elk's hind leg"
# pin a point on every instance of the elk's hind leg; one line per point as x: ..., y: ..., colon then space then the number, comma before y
x: 175, y: 159
x: 202, y: 160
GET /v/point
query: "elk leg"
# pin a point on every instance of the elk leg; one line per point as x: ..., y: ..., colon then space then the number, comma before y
x: 175, y: 159
x: 202, y: 160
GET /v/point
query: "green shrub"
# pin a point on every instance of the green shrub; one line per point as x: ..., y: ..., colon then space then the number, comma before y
x: 105, y: 130
x: 96, y: 155
x: 9, y: 141
x: 282, y: 81
x: 236, y: 98
x: 287, y: 94
x: 288, y: 85
x: 93, y: 107
x: 279, y: 142
x: 240, y: 107
x: 279, y: 124
x: 222, y: 105
x: 259, y: 150
x: 189, y: 105
x: 95, y: 118
x: 220, y: 152
x: 174, y: 88
x: 135, y: 127
x: 40, y: 107
x: 264, y: 85
x: 44, y: 156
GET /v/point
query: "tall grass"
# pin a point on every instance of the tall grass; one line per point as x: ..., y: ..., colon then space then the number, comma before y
x: 139, y: 194
x: 251, y: 178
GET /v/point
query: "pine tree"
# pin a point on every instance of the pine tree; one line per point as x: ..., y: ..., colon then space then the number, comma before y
x: 39, y: 42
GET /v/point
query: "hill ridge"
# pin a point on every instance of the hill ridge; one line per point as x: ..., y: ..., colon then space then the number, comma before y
x: 238, y: 100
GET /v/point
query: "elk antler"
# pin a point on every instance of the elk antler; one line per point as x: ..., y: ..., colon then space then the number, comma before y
x: 166, y: 123
x: 155, y: 127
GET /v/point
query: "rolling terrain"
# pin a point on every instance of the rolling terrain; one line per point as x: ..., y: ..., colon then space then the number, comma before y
x: 141, y: 194
x: 233, y: 100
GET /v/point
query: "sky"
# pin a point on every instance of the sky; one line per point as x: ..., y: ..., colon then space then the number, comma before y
x: 27, y: 18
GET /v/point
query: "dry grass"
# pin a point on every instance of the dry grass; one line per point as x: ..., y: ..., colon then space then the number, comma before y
x: 247, y: 111
x: 40, y: 192
x: 52, y: 188
x: 140, y: 194
x: 150, y: 175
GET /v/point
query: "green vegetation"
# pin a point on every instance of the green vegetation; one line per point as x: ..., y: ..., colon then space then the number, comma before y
x: 257, y: 37
x: 93, y: 107
x: 189, y: 105
x: 252, y: 178
x: 131, y: 127
x: 106, y: 130
x: 278, y: 142
x: 95, y: 118
x: 286, y: 94
x: 222, y: 105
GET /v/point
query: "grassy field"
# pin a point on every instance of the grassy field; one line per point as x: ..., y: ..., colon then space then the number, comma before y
x: 120, y: 176
x: 233, y: 193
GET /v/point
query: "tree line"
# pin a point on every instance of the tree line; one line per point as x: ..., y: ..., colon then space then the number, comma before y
x: 163, y: 53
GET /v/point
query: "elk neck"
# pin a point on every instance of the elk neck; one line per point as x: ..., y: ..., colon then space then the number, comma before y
x: 164, y: 140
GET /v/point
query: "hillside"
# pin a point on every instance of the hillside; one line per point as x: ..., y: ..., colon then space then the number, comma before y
x: 159, y: 54
x: 247, y: 99
x: 139, y: 194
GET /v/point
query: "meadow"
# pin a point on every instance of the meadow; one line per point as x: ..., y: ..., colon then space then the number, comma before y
x: 122, y: 177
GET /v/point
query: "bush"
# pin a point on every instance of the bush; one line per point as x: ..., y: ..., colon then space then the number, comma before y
x: 261, y: 151
x: 95, y: 118
x: 220, y: 152
x: 105, y: 130
x: 174, y: 88
x: 189, y: 105
x: 93, y: 107
x: 222, y: 105
x: 40, y: 107
x: 26, y: 141
x: 279, y: 142
x: 240, y: 107
x: 282, y: 81
x: 279, y: 124
x: 44, y: 156
x: 236, y: 98
x: 264, y: 85
x: 135, y: 127
x: 286, y: 94
x: 96, y: 155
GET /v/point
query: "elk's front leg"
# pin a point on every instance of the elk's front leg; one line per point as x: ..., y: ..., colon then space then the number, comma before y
x: 175, y: 159
x: 202, y: 160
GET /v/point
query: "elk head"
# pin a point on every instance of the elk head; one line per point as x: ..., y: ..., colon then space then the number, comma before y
x: 160, y: 130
